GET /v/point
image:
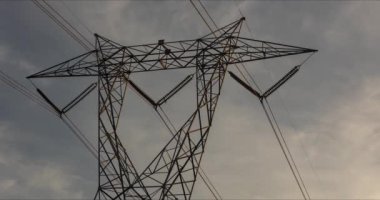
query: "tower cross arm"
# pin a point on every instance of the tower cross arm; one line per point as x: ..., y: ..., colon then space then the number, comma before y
x: 165, y: 56
x: 247, y: 50
x: 112, y: 59
x: 82, y: 65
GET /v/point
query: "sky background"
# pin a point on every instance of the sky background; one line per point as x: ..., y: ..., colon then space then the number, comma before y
x: 329, y: 110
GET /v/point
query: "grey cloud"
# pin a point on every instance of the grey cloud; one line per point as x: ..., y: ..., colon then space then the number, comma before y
x: 332, y: 101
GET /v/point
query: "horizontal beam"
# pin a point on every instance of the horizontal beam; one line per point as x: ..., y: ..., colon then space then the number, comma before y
x: 121, y: 60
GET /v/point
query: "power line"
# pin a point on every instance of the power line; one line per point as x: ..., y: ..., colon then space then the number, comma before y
x: 83, y: 43
x: 204, y: 20
x: 61, y: 24
x: 295, y: 172
x: 68, y: 23
x: 293, y: 125
x: 182, y: 166
x: 74, y: 129
x: 42, y: 103
x: 287, y: 148
x: 23, y: 90
x: 77, y: 18
x: 69, y: 123
x: 283, y: 150
x: 208, y: 14
x: 275, y: 121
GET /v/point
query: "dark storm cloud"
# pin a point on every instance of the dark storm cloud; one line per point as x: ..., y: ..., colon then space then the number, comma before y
x: 333, y: 101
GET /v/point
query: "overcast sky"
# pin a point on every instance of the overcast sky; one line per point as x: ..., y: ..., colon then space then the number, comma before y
x: 329, y: 110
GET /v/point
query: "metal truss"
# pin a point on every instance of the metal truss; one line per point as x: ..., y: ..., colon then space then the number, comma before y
x: 173, y: 171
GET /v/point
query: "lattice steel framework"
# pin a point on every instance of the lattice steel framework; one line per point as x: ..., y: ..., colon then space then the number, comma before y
x: 173, y: 172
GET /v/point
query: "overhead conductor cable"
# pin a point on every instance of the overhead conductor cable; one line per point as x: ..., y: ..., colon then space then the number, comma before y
x: 279, y: 136
x: 82, y: 41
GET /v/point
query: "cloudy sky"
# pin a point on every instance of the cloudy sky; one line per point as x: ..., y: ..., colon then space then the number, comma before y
x: 329, y: 111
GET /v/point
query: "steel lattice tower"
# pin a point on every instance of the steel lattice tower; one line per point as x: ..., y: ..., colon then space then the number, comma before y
x: 173, y: 171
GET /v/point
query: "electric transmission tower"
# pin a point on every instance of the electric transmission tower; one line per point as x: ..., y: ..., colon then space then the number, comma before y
x: 173, y: 171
